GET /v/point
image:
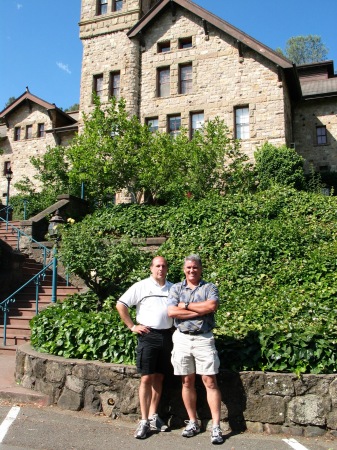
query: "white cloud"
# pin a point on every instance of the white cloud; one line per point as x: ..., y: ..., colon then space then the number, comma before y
x: 19, y: 5
x: 64, y: 67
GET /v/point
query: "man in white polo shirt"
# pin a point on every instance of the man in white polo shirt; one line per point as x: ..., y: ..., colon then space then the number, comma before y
x: 153, y: 327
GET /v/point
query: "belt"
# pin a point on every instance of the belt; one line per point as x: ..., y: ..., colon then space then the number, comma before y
x: 161, y: 331
x: 194, y: 333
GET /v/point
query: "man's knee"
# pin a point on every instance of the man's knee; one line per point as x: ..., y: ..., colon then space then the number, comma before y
x: 188, y: 381
x: 210, y: 381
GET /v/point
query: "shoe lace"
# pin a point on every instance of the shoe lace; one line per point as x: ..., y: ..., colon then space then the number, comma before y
x: 190, y: 425
x: 216, y: 431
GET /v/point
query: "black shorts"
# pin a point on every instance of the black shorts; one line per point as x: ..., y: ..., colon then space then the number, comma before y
x: 154, y: 352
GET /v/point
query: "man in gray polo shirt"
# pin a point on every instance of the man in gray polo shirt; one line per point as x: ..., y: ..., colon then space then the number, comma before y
x: 192, y: 303
x: 154, y: 348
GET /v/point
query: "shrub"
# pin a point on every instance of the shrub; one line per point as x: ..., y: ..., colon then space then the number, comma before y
x: 273, y: 256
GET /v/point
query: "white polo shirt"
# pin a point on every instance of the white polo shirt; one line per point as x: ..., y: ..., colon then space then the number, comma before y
x: 150, y: 301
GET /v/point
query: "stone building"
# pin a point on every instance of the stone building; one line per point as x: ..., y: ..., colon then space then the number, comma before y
x: 177, y: 65
x: 28, y: 126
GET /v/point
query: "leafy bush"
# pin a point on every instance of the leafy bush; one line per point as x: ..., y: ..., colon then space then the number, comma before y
x: 279, y: 165
x: 273, y: 256
x: 73, y: 329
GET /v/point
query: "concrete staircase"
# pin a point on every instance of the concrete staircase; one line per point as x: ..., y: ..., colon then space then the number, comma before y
x: 24, y: 307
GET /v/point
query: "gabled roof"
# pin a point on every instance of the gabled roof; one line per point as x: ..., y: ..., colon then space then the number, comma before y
x: 214, y: 20
x: 28, y: 98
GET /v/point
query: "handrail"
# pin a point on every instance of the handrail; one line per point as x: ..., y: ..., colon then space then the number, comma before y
x: 46, y: 251
x: 4, y: 305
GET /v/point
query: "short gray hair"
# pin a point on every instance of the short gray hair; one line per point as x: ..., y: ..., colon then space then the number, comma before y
x: 193, y: 257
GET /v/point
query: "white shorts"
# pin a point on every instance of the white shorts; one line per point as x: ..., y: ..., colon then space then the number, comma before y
x: 194, y: 354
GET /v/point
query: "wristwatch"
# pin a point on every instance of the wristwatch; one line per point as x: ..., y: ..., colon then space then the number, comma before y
x: 186, y: 305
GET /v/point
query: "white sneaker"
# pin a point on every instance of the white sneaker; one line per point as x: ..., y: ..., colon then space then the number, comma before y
x: 142, y: 430
x: 216, y: 435
x: 157, y: 424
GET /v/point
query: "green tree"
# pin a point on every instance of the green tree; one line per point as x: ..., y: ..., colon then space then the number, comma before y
x: 279, y: 165
x: 74, y: 107
x: 106, y: 262
x: 9, y: 101
x: 116, y: 152
x: 305, y: 49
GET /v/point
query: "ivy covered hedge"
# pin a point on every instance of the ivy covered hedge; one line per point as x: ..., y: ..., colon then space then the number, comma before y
x: 272, y: 254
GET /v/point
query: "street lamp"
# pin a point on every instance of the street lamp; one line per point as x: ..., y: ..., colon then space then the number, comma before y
x: 53, y: 231
x: 9, y: 176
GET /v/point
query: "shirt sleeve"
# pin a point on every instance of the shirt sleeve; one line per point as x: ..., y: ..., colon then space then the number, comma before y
x: 130, y: 297
x: 213, y: 293
x: 174, y: 298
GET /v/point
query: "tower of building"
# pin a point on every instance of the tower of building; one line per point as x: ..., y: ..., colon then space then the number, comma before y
x: 111, y: 61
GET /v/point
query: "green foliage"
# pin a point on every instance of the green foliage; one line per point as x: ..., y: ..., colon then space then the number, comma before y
x: 273, y: 255
x: 116, y: 152
x: 106, y: 263
x: 73, y: 329
x: 35, y: 201
x: 305, y: 49
x: 279, y: 165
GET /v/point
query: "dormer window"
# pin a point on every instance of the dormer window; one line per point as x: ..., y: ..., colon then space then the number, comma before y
x: 185, y: 42
x: 163, y: 47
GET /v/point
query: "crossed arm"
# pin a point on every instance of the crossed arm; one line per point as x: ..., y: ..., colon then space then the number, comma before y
x: 194, y: 310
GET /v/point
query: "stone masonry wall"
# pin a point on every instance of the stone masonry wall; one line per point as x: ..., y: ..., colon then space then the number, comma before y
x: 19, y: 152
x: 221, y: 80
x: 306, y: 118
x: 257, y: 401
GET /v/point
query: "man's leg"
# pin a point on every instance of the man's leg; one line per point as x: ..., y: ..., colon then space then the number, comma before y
x: 213, y: 397
x: 156, y: 390
x: 189, y: 395
x: 145, y: 395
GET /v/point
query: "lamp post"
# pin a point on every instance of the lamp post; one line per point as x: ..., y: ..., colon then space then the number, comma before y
x: 55, y: 235
x: 9, y: 176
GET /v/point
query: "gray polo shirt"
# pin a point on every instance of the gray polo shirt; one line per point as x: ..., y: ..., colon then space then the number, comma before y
x: 181, y: 292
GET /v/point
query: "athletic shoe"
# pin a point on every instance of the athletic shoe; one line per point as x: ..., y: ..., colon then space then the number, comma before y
x: 216, y: 435
x: 192, y: 428
x: 157, y: 424
x: 142, y: 430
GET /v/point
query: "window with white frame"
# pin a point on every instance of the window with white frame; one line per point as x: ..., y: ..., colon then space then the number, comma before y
x: 242, y: 123
x: 152, y: 123
x: 197, y: 122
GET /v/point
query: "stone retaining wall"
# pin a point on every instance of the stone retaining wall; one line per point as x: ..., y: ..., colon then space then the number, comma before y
x: 257, y: 401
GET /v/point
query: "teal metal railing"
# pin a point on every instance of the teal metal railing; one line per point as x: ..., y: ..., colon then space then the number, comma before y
x: 4, y: 305
x: 19, y: 233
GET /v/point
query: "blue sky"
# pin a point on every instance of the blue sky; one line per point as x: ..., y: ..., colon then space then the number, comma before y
x: 40, y: 46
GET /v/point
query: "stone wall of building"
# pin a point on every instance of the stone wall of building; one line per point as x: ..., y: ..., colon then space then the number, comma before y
x: 257, y: 401
x: 103, y: 55
x: 18, y: 153
x: 222, y: 80
x: 309, y: 115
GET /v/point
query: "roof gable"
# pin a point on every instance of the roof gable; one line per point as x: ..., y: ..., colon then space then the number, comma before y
x: 28, y: 98
x: 209, y: 18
